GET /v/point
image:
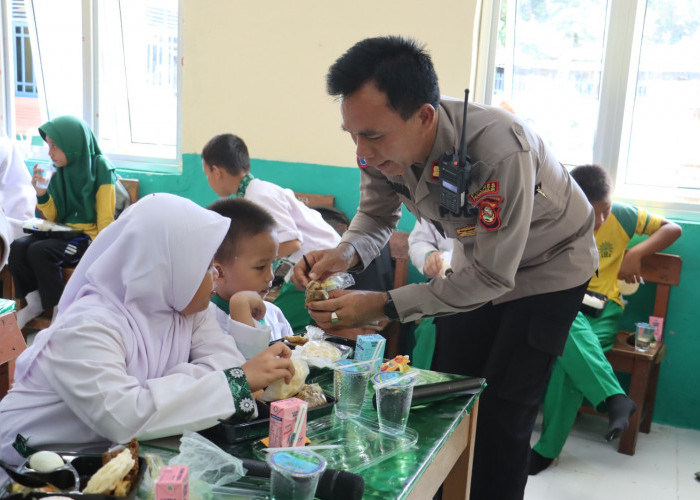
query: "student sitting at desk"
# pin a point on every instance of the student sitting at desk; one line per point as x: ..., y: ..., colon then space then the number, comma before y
x: 300, y: 229
x: 243, y: 264
x: 133, y: 350
x: 583, y: 370
x: 80, y: 194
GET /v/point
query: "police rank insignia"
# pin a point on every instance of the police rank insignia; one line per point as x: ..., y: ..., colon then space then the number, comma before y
x: 468, y: 230
x: 434, y: 171
x: 489, y: 209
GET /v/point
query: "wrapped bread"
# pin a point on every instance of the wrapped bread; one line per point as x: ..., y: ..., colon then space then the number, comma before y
x: 110, y: 476
x: 280, y: 390
x: 316, y: 290
x: 312, y: 394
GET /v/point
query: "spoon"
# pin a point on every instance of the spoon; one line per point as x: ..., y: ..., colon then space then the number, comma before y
x: 63, y: 478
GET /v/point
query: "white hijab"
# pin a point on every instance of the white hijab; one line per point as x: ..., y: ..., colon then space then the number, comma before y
x: 17, y: 196
x: 137, y: 274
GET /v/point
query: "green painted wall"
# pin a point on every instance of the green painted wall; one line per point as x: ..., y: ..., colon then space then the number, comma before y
x: 678, y: 397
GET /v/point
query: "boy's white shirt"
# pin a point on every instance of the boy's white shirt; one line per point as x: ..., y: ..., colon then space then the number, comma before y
x: 252, y: 340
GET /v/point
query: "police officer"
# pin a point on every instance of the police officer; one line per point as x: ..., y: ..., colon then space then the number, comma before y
x: 524, y: 253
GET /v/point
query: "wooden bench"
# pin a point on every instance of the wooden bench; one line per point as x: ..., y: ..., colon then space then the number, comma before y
x: 664, y: 270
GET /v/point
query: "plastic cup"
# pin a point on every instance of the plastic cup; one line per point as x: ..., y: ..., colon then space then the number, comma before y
x: 643, y: 336
x: 394, y: 394
x: 294, y: 474
x: 46, y: 170
x: 350, y: 380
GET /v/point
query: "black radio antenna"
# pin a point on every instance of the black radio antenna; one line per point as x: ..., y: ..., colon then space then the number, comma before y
x: 463, y: 141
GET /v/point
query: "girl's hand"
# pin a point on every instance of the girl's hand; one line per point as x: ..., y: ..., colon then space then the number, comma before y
x: 269, y: 365
x: 37, y: 177
x: 433, y: 264
x: 246, y: 306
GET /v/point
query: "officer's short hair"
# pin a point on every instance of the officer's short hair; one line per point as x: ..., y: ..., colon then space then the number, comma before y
x: 399, y: 66
x: 227, y: 151
x: 247, y: 219
x: 594, y: 180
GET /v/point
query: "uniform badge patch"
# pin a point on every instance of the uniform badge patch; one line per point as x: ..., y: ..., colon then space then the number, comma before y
x: 469, y: 230
x: 434, y: 171
x: 489, y: 209
x: 489, y: 188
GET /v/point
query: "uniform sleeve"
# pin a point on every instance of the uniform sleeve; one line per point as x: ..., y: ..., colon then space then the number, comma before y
x: 105, y: 202
x: 88, y: 371
x: 647, y: 223
x: 47, y: 207
x: 497, y: 252
x: 377, y: 216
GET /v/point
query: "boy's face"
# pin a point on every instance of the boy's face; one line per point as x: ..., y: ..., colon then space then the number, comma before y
x: 602, y: 211
x: 216, y: 179
x: 251, y: 269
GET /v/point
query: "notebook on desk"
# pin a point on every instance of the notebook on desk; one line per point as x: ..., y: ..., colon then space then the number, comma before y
x: 49, y: 229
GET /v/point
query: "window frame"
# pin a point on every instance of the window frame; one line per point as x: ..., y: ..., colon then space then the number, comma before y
x: 618, y: 85
x: 90, y: 56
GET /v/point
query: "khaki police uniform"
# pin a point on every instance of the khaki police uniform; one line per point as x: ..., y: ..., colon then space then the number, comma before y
x: 524, y: 253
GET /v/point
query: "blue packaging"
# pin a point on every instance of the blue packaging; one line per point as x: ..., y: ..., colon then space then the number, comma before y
x: 370, y: 346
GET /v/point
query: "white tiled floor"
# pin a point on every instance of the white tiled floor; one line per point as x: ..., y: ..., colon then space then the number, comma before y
x: 663, y: 467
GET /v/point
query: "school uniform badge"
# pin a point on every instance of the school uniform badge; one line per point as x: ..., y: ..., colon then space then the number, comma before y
x: 489, y: 213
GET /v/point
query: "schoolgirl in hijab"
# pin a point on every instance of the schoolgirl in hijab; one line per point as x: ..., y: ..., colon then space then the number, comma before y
x: 133, y: 351
x: 80, y: 194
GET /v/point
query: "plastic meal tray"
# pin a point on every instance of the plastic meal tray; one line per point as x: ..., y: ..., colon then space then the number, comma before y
x: 361, y: 442
x: 227, y: 432
x: 86, y: 465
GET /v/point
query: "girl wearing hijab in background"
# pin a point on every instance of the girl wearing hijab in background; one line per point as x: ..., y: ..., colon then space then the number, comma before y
x: 133, y: 346
x: 80, y: 194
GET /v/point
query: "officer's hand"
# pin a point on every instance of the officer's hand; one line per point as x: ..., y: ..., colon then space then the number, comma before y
x: 320, y: 264
x: 348, y: 309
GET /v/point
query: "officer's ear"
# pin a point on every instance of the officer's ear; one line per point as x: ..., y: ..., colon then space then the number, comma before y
x: 426, y: 114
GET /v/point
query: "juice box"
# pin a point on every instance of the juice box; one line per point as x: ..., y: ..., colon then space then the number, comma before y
x: 658, y: 322
x: 173, y: 483
x: 370, y: 346
x: 284, y: 428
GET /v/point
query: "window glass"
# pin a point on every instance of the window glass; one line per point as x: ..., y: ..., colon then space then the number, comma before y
x: 665, y: 125
x: 548, y: 70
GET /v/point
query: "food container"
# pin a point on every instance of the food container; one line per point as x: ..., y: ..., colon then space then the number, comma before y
x: 86, y: 465
x: 230, y: 432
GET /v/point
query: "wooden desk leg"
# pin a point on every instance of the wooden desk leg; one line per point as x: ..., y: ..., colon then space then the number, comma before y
x: 458, y: 481
x: 638, y: 389
x: 645, y: 425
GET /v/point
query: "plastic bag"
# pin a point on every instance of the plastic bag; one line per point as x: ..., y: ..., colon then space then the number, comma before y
x: 280, y: 390
x: 206, y: 461
x: 318, y: 352
x: 318, y: 290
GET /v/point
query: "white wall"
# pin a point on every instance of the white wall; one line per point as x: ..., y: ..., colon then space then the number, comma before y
x: 257, y: 68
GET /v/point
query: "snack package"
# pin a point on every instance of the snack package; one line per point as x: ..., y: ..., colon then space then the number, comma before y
x: 398, y: 364
x: 206, y: 461
x: 318, y: 352
x: 316, y: 290
x: 280, y: 390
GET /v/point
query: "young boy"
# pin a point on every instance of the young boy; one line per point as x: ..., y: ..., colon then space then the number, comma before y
x: 300, y: 229
x: 583, y: 370
x: 244, y: 266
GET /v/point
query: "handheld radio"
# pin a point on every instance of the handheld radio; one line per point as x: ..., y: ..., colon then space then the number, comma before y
x: 454, y: 172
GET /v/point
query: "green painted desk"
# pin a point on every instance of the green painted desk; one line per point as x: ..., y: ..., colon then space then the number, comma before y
x: 443, y: 453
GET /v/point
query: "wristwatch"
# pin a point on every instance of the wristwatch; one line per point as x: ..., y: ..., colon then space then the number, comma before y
x: 390, y: 308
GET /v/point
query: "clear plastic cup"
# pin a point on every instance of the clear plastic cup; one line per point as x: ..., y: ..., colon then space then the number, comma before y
x: 394, y: 394
x: 643, y: 336
x: 46, y: 170
x: 350, y: 380
x: 294, y: 474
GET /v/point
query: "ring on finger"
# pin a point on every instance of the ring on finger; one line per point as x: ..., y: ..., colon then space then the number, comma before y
x: 334, y: 317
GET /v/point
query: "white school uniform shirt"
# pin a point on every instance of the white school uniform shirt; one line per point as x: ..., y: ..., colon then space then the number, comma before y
x: 252, y: 340
x: 295, y: 221
x: 17, y: 196
x: 119, y: 361
x: 425, y: 238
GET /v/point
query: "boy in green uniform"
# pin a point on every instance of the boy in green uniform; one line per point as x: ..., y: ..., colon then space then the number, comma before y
x: 583, y: 370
